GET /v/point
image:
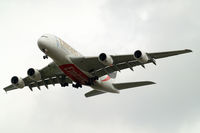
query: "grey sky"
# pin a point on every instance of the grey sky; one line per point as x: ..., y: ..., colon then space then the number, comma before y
x: 92, y: 27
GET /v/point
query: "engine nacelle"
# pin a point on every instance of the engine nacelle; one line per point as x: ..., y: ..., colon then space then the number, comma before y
x: 140, y: 56
x: 34, y: 74
x: 17, y: 82
x: 105, y: 59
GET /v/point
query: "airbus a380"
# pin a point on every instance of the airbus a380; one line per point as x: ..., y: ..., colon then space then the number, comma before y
x: 70, y: 67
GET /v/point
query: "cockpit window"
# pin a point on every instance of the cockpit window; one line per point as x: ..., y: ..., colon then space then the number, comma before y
x: 44, y: 36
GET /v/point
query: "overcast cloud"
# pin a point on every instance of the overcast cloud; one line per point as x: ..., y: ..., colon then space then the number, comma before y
x: 92, y: 27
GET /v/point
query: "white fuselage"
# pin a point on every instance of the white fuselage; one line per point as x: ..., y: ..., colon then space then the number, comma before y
x: 61, y: 52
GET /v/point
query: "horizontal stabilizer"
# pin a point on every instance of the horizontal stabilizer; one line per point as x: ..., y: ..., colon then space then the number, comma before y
x: 121, y: 86
x: 93, y: 93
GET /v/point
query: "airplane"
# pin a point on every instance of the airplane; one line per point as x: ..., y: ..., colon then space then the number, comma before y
x: 98, y: 72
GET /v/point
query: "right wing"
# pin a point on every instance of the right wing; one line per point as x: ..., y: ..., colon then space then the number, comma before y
x: 93, y: 66
x: 50, y: 74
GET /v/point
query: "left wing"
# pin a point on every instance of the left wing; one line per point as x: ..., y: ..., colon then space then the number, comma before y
x: 120, y: 62
x: 50, y: 74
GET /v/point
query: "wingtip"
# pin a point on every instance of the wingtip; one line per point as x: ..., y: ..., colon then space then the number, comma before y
x: 5, y: 90
x: 188, y: 50
x: 152, y: 82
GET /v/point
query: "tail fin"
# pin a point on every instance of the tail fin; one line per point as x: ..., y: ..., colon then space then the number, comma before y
x: 121, y: 86
x: 113, y: 75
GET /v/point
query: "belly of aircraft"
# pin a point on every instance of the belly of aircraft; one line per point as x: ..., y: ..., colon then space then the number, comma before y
x: 74, y: 73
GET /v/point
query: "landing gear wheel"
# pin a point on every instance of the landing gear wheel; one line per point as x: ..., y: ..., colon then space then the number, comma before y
x: 96, y: 78
x: 92, y: 80
x: 45, y: 57
x: 77, y: 85
x: 64, y: 84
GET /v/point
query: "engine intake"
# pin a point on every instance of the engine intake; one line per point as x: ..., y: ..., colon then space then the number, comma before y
x: 140, y: 56
x: 31, y: 72
x: 34, y: 74
x: 17, y: 82
x: 105, y: 59
x: 14, y: 80
x: 102, y: 57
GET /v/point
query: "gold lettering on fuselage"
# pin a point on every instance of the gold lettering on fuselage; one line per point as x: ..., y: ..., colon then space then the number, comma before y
x: 68, y: 48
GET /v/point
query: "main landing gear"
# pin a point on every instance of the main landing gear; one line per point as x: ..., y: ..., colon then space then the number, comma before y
x: 92, y: 80
x: 77, y: 85
x: 64, y: 84
x: 45, y: 57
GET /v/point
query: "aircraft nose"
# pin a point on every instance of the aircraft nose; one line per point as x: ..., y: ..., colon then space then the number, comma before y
x: 43, y: 43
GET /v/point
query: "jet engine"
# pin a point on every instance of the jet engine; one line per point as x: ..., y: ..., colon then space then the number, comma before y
x: 105, y: 59
x: 34, y: 74
x: 141, y: 56
x: 17, y: 82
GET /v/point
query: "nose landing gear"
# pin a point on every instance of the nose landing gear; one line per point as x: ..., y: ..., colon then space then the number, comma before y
x: 45, y: 57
